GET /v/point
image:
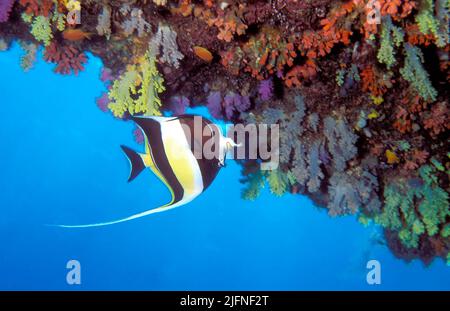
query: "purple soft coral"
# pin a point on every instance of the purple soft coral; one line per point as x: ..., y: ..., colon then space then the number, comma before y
x: 106, y: 75
x: 231, y: 103
x: 215, y: 104
x: 265, y: 89
x: 245, y: 104
x: 235, y: 102
x: 102, y: 102
x: 138, y: 136
x: 5, y: 9
x: 178, y: 104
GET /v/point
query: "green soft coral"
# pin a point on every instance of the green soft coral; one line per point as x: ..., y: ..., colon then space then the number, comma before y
x: 416, y: 75
x: 415, y: 210
x: 279, y: 181
x: 127, y: 97
x: 27, y: 18
x: 434, y: 206
x: 60, y: 20
x: 121, y: 94
x: 41, y: 30
x: 435, y: 24
x: 254, y: 183
x: 445, y: 232
x: 152, y: 85
x: 29, y: 58
x: 391, y: 37
x: 340, y: 76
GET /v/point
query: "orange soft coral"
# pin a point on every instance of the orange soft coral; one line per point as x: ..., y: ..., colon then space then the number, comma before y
x: 373, y: 82
x: 398, y: 9
x: 296, y: 75
x: 263, y: 55
x: 229, y: 22
x: 415, y: 37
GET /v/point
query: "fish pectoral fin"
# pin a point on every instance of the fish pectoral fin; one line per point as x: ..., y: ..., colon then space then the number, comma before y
x: 137, y: 162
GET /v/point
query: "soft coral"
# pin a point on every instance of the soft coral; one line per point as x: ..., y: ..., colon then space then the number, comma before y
x: 5, y: 9
x: 437, y: 120
x: 67, y: 58
x: 36, y: 7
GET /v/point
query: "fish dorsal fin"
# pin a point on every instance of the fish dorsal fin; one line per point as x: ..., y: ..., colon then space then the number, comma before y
x: 148, y: 125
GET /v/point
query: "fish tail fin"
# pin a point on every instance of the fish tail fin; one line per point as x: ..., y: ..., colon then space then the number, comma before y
x: 135, y: 216
x: 136, y: 162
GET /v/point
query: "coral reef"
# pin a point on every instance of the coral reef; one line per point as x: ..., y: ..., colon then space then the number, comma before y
x: 359, y: 92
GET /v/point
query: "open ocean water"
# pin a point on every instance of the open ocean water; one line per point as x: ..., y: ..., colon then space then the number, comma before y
x: 60, y: 163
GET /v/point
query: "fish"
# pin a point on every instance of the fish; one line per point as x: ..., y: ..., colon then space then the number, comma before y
x: 170, y: 153
x: 203, y: 53
x: 76, y: 34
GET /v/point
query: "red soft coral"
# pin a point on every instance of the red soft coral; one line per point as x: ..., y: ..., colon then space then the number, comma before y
x: 37, y: 7
x: 403, y: 122
x: 416, y: 159
x: 67, y: 58
x: 437, y: 120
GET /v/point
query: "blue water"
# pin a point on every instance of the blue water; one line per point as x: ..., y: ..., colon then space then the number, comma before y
x: 60, y: 162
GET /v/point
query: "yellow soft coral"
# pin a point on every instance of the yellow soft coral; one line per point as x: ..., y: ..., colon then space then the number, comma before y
x: 391, y: 157
x: 73, y: 5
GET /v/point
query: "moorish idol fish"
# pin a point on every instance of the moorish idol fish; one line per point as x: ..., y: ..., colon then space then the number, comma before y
x: 171, y: 146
